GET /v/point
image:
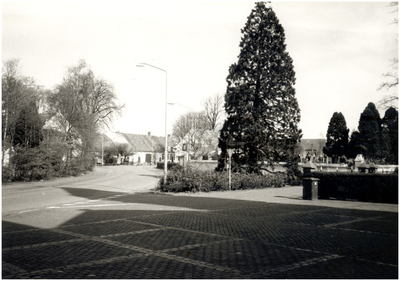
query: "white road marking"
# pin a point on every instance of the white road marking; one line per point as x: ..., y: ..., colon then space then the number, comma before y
x: 102, y: 205
x: 133, y: 206
x: 27, y: 211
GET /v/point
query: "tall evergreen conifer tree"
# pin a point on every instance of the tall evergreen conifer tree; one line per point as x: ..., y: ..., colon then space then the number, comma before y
x: 391, y: 122
x: 28, y: 127
x: 369, y: 127
x: 356, y: 145
x: 337, y: 136
x: 262, y: 110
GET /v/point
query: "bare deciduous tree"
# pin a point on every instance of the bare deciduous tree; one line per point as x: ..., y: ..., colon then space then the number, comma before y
x: 214, y: 109
x: 17, y: 92
x: 192, y: 128
x: 86, y: 103
x: 391, y: 100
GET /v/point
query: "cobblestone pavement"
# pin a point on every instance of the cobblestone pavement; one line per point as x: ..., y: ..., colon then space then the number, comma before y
x: 164, y: 236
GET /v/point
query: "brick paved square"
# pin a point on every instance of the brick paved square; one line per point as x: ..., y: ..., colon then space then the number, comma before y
x: 165, y: 239
x: 62, y: 254
x: 339, y: 268
x: 246, y: 256
x: 10, y: 226
x: 146, y: 267
x: 337, y: 241
x: 260, y: 209
x: 215, y: 239
x: 182, y: 201
x: 377, y: 226
x: 355, y: 213
x: 37, y: 236
x: 208, y: 222
x: 108, y: 228
x: 315, y: 218
x: 108, y: 215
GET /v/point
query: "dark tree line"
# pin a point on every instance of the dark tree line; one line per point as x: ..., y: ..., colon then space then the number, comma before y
x: 376, y: 137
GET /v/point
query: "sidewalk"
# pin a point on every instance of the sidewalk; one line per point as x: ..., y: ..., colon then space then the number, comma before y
x: 292, y: 195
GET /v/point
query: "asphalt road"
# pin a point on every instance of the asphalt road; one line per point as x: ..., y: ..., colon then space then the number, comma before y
x: 32, y: 202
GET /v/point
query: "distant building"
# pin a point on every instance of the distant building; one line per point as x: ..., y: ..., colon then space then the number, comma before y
x: 146, y: 149
x: 311, y: 149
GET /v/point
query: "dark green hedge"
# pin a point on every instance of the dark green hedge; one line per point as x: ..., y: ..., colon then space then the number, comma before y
x: 382, y: 188
x: 194, y: 180
x: 170, y: 165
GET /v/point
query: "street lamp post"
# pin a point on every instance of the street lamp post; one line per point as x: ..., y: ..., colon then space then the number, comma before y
x: 102, y: 150
x: 166, y: 103
x: 174, y: 103
x: 187, y: 144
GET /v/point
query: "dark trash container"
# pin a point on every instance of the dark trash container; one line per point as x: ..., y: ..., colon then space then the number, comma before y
x: 310, y: 188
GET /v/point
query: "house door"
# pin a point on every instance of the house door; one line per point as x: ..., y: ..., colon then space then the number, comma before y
x: 148, y: 158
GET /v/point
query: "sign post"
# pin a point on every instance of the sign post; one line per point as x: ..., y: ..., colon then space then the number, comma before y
x: 235, y: 144
x: 230, y: 151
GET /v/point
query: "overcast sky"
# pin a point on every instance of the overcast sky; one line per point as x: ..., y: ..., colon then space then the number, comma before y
x: 340, y: 51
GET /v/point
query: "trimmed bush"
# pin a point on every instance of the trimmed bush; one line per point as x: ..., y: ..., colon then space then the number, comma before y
x: 170, y: 165
x: 31, y: 164
x: 192, y: 180
x: 381, y: 188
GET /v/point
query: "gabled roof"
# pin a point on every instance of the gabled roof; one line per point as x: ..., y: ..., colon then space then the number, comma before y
x: 146, y: 143
x: 142, y: 143
x: 55, y: 122
x: 159, y: 143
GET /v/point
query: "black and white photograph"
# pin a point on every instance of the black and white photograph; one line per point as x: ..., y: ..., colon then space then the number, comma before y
x: 198, y: 139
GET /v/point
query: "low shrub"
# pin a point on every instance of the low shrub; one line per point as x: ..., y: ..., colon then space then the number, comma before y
x: 79, y: 165
x: 31, y: 164
x: 8, y: 173
x: 194, y: 180
x: 294, y: 175
x: 170, y: 165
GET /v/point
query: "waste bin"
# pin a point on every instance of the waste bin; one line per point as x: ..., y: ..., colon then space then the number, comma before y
x: 310, y: 188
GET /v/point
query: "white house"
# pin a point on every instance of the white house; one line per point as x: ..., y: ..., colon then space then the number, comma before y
x: 147, y: 149
x: 205, y: 146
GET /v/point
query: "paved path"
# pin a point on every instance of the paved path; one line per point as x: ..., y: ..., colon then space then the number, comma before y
x: 292, y: 195
x: 269, y: 233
